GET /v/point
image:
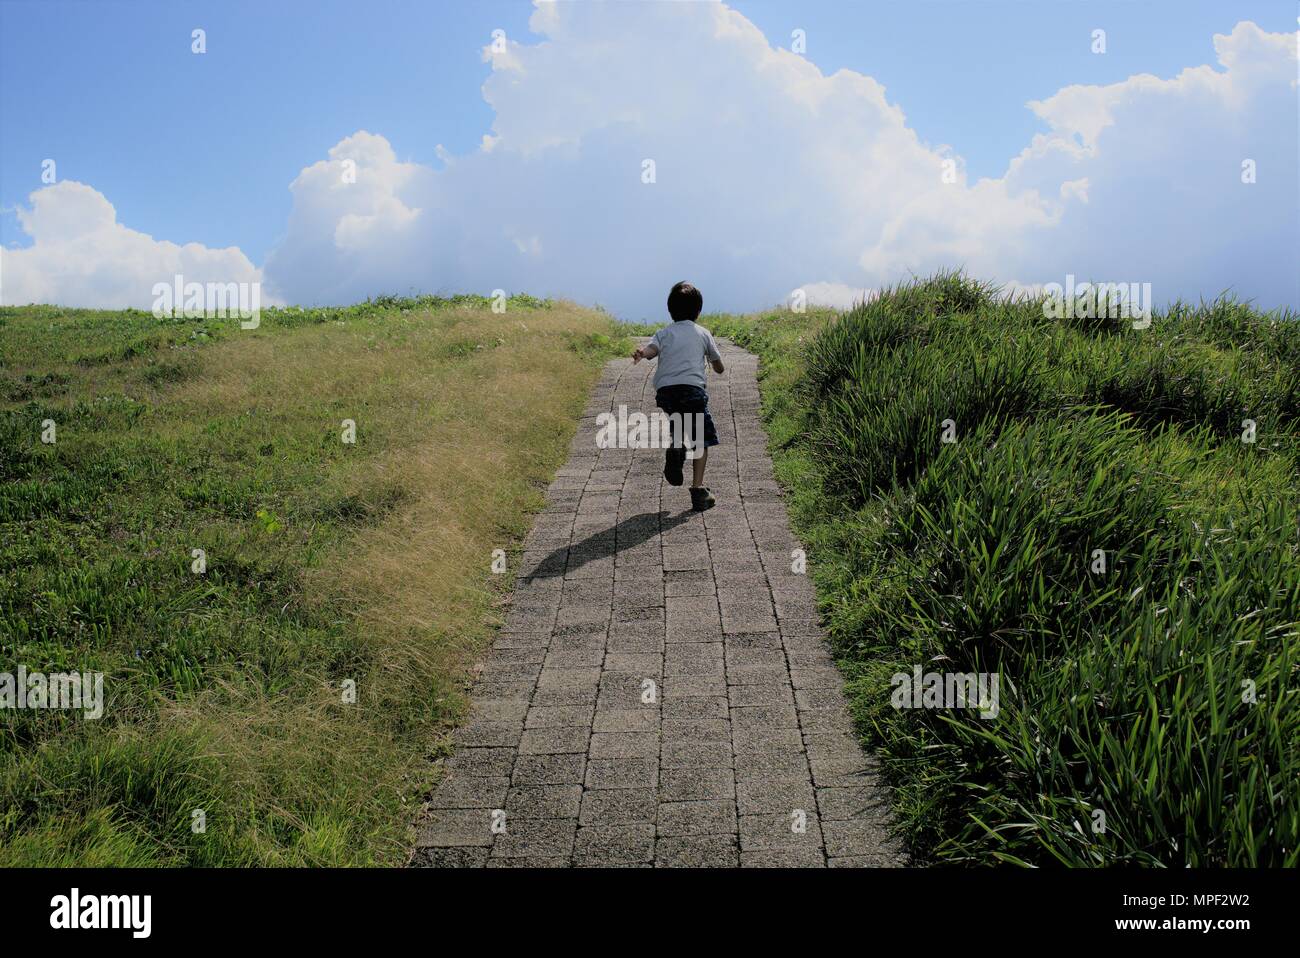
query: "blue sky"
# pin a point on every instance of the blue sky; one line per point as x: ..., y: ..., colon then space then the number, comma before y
x: 202, y: 149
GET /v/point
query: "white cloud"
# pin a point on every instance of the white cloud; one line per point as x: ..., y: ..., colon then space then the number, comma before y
x: 836, y: 295
x: 81, y: 256
x: 1162, y: 198
x: 770, y: 174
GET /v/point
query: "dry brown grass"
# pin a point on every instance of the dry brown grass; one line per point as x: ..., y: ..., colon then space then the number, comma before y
x: 468, y: 443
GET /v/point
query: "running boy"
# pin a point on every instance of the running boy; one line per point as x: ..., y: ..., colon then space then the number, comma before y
x: 683, y: 348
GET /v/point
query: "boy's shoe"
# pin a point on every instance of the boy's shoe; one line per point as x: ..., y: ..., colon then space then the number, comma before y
x: 673, y: 460
x: 701, y: 499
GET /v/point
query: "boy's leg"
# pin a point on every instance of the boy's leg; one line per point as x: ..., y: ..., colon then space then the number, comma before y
x: 701, y: 498
x: 673, y: 459
x: 675, y: 454
x: 697, y: 467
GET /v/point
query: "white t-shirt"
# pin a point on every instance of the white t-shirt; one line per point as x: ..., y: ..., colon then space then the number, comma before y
x: 683, y: 349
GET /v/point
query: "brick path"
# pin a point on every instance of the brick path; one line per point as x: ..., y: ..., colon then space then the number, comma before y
x: 661, y: 693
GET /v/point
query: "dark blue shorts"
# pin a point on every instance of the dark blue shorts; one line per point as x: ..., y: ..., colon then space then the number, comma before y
x: 687, y: 401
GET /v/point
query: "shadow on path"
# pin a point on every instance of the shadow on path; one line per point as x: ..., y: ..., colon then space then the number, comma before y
x: 632, y: 531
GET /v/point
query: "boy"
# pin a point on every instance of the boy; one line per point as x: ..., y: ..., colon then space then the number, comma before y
x: 682, y: 348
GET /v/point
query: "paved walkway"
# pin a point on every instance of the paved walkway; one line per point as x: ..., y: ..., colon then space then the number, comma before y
x: 661, y: 693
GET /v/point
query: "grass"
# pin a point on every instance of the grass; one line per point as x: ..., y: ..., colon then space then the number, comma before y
x: 1149, y: 712
x: 327, y: 563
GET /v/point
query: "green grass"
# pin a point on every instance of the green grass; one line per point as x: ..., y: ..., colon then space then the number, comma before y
x: 1124, y: 692
x: 326, y: 562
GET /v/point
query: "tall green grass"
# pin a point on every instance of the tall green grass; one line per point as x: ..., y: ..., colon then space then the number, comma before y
x: 1149, y: 712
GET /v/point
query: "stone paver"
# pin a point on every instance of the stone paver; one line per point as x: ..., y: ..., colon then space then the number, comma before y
x: 661, y: 693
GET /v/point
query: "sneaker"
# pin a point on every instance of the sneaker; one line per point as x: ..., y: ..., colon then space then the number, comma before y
x: 701, y: 499
x: 673, y: 459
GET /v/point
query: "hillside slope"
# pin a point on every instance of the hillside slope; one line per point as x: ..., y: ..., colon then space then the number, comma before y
x: 229, y: 734
x: 1083, y: 510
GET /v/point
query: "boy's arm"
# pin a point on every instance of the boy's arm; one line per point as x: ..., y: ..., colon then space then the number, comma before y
x: 713, y: 355
x: 648, y: 351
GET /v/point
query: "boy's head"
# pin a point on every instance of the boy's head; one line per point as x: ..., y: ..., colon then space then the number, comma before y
x: 684, y: 302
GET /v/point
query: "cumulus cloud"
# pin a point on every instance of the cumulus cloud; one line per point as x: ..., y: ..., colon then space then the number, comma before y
x: 1163, y: 164
x: 768, y: 175
x: 360, y: 226
x: 80, y: 255
x: 756, y: 159
x: 836, y: 295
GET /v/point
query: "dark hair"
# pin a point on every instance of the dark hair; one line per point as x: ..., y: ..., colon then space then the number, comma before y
x: 684, y: 302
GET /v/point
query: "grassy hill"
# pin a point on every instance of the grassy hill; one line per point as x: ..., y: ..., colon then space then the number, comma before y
x: 1160, y: 692
x: 327, y: 562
